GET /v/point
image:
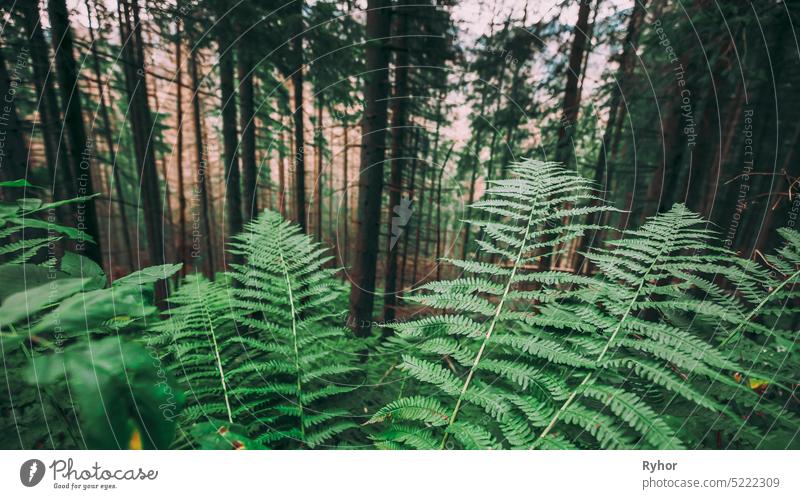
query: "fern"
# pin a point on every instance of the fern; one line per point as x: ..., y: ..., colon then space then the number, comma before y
x: 553, y: 360
x: 266, y: 353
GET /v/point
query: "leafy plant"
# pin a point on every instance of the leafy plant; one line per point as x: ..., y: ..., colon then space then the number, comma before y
x: 522, y: 358
x: 267, y: 353
x: 80, y: 379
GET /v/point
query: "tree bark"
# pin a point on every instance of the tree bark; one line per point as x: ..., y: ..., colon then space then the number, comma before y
x: 247, y: 122
x: 13, y: 153
x: 233, y: 192
x: 179, y: 145
x: 201, y: 190
x: 80, y: 148
x: 48, y: 107
x: 399, y: 110
x: 373, y: 153
x: 299, y: 134
x: 108, y: 137
x: 142, y: 127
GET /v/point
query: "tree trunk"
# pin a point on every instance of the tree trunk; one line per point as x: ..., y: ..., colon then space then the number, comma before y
x: 373, y: 153
x: 81, y: 150
x: 13, y: 153
x: 108, y: 137
x: 572, y: 98
x: 48, y: 108
x: 247, y: 122
x: 399, y: 109
x: 179, y: 146
x: 318, y: 172
x: 299, y: 134
x: 201, y: 190
x: 233, y: 193
x: 281, y: 176
x: 411, y: 190
x: 626, y: 65
x: 142, y: 127
x: 346, y: 197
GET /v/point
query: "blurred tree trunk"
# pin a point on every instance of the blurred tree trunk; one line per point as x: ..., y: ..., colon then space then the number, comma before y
x: 399, y: 110
x: 13, y: 161
x: 299, y: 134
x: 179, y: 153
x: 247, y: 123
x: 626, y: 64
x: 233, y: 192
x: 373, y: 153
x: 142, y: 127
x: 80, y: 150
x: 318, y: 183
x: 48, y: 108
x: 108, y: 137
x: 201, y: 190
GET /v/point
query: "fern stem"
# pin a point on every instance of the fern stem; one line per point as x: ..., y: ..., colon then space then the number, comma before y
x: 294, y: 340
x: 489, y: 331
x: 602, y: 354
x: 219, y: 361
x: 756, y: 310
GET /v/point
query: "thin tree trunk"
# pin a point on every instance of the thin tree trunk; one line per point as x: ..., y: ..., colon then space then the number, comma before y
x: 346, y: 197
x: 48, y: 108
x: 373, y: 153
x: 282, y: 176
x: 247, y: 122
x: 399, y: 109
x: 233, y: 192
x: 80, y: 148
x: 179, y: 146
x: 411, y: 190
x: 142, y: 127
x: 13, y: 166
x: 299, y: 134
x: 108, y: 136
x: 201, y: 190
x: 572, y: 98
x: 318, y: 172
x: 439, y: 214
x: 626, y: 65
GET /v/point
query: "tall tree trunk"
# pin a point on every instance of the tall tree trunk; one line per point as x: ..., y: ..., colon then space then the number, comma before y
x: 439, y: 247
x: 142, y: 127
x: 346, y: 196
x: 108, y: 137
x: 201, y: 190
x: 572, y: 98
x: 299, y: 134
x: 281, y: 176
x: 13, y: 153
x: 247, y: 120
x: 373, y: 153
x: 48, y: 108
x: 233, y: 192
x: 399, y: 109
x: 318, y: 172
x: 80, y: 148
x: 411, y: 188
x: 179, y: 145
x: 624, y: 71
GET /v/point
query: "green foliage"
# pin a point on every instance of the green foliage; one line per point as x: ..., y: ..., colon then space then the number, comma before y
x: 80, y: 378
x: 520, y: 358
x: 267, y: 352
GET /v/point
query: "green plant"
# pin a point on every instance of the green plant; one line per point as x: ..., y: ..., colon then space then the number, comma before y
x: 522, y: 358
x: 267, y: 352
x: 67, y: 340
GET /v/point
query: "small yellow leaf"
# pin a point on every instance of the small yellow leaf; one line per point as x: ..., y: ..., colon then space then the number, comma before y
x: 136, y: 440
